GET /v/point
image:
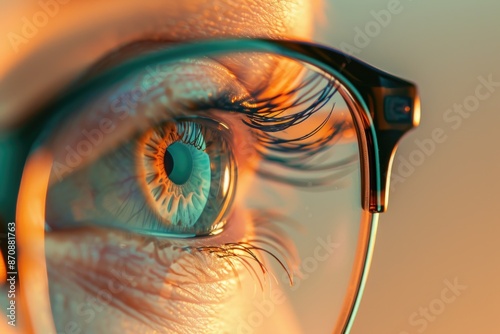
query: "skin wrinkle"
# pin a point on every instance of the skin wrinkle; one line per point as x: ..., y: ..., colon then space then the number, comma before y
x: 146, y: 295
x: 94, y: 256
x: 75, y: 277
x: 79, y: 285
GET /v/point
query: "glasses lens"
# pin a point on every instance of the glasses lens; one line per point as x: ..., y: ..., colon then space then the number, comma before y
x: 200, y: 194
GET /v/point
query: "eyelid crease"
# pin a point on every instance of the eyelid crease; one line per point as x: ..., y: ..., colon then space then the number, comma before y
x: 124, y: 53
x: 142, y: 47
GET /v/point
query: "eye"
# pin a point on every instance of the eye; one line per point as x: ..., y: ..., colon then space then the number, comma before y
x: 147, y: 164
x: 188, y: 172
x: 175, y: 179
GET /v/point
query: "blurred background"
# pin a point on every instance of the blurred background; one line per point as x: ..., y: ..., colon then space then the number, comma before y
x: 435, y: 267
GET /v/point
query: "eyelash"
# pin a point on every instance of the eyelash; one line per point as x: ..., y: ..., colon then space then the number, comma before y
x: 266, y: 116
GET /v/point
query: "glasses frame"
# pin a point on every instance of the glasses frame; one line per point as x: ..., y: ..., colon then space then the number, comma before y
x: 384, y: 108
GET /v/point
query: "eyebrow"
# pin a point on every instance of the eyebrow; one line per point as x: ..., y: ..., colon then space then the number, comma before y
x: 68, y: 44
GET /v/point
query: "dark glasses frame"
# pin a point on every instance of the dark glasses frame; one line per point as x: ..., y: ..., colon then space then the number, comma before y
x: 390, y: 108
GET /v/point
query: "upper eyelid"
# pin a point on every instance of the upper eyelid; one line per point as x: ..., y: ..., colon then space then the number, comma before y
x: 71, y: 45
x: 116, y: 58
x: 137, y: 67
x: 124, y: 53
x: 89, y: 117
x: 112, y: 59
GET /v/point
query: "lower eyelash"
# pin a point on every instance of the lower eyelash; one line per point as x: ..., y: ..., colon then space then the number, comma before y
x: 270, y: 240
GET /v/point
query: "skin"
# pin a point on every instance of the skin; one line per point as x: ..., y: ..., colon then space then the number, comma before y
x: 153, y: 288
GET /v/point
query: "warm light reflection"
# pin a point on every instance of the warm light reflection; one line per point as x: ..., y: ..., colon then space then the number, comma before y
x: 313, y: 124
x: 6, y: 329
x: 416, y: 112
x: 30, y: 227
x: 226, y: 180
x: 3, y: 270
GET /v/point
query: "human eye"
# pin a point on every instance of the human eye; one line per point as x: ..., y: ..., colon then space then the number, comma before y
x: 175, y: 179
x: 172, y: 184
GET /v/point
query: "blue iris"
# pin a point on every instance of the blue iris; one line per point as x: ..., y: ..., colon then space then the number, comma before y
x: 188, y: 168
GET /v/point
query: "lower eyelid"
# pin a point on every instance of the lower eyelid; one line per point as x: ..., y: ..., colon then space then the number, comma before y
x: 71, y: 245
x: 152, y: 279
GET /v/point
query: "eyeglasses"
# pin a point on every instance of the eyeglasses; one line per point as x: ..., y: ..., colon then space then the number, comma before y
x: 176, y: 175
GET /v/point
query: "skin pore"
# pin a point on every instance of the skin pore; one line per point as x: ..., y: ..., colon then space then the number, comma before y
x: 103, y: 281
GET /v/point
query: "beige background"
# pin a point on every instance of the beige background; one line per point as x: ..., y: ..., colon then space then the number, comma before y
x: 442, y: 222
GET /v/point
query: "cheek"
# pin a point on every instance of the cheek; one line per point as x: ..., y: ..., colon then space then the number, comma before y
x: 108, y: 282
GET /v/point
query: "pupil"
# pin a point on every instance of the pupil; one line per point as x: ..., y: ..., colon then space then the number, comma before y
x: 178, y: 163
x: 168, y: 161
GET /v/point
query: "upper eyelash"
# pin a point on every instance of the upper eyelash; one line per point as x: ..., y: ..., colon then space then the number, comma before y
x: 270, y: 119
x: 268, y: 115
